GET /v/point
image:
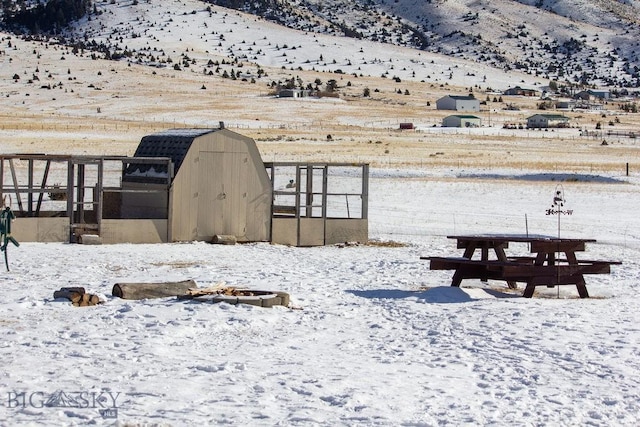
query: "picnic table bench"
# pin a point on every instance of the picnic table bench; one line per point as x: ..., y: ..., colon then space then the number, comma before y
x: 543, y: 268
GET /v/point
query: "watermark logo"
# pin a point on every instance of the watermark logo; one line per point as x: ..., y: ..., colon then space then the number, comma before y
x: 105, y: 401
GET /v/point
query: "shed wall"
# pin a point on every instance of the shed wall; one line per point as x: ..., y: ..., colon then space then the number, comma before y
x: 133, y: 231
x: 150, y: 202
x: 446, y: 103
x: 451, y: 122
x: 468, y: 105
x: 40, y: 229
x: 318, y: 232
x: 222, y: 187
x: 346, y: 230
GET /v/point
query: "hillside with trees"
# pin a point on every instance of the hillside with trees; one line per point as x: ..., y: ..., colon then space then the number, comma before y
x: 51, y: 17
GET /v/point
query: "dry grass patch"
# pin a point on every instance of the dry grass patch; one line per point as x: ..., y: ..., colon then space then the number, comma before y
x: 386, y: 244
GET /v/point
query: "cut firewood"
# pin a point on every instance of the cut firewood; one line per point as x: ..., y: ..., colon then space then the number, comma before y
x: 71, y: 293
x: 77, y: 296
x: 87, y: 300
x: 152, y: 290
x: 219, y: 289
x: 215, y: 289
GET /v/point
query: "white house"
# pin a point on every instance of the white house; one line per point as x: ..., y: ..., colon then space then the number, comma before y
x: 458, y: 103
x: 547, y: 121
x: 460, y: 121
x: 293, y: 93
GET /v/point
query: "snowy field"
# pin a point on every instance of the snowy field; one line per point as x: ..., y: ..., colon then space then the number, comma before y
x: 374, y: 337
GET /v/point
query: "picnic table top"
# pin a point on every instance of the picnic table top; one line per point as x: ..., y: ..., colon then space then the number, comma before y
x: 517, y: 238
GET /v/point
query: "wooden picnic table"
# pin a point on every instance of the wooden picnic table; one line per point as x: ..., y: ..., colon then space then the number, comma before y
x: 485, y: 258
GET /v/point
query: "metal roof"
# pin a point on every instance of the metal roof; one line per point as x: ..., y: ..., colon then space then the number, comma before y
x: 171, y: 143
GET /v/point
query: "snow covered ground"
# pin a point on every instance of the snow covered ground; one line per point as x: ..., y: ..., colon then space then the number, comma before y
x: 374, y: 338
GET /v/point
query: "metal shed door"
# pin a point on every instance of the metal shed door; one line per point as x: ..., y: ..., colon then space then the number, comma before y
x: 222, y: 194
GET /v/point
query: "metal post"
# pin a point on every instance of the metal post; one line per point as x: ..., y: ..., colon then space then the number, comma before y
x: 80, y: 193
x: 309, y: 190
x: 98, y: 208
x: 45, y: 176
x: 70, y: 197
x: 30, y: 188
x: 298, y: 175
x: 2, y: 179
x: 365, y: 191
x: 325, y: 181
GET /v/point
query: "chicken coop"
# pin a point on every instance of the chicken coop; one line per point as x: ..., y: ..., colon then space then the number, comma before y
x: 184, y: 185
x: 220, y: 186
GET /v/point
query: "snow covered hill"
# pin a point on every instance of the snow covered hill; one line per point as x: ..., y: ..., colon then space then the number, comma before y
x: 586, y: 41
x: 191, y: 35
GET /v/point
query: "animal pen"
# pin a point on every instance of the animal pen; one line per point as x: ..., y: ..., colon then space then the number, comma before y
x: 184, y: 185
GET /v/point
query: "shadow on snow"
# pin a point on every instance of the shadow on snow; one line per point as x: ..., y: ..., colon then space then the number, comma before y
x: 437, y: 295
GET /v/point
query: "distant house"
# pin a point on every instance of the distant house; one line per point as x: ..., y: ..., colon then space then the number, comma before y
x: 460, y: 121
x: 293, y: 93
x: 566, y: 105
x: 584, y: 95
x: 547, y: 121
x: 600, y: 93
x: 521, y: 91
x: 591, y: 94
x: 458, y: 103
x: 591, y: 106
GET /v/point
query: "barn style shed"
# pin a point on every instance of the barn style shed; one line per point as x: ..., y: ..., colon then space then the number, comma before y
x: 220, y: 185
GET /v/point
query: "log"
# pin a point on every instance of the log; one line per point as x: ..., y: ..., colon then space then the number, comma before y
x: 152, y: 290
x: 73, y: 294
x: 224, y: 239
